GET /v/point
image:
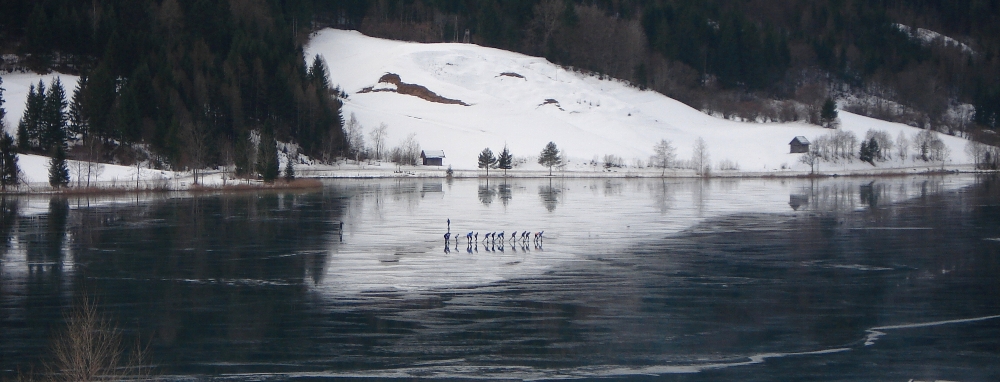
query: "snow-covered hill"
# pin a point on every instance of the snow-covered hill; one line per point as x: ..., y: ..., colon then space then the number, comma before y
x: 524, y: 102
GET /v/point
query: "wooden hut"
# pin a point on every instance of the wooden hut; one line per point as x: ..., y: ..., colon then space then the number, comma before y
x: 432, y: 157
x: 799, y: 145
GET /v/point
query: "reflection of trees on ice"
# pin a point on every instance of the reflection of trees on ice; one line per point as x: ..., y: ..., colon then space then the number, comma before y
x: 486, y: 193
x: 549, y: 195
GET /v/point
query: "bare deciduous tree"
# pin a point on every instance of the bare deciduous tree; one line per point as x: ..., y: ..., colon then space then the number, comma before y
x: 977, y: 151
x: 664, y: 155
x: 408, y: 151
x: 195, y: 138
x: 811, y: 158
x: 700, y: 159
x: 378, y: 139
x: 355, y: 137
x: 902, y: 145
x: 931, y: 147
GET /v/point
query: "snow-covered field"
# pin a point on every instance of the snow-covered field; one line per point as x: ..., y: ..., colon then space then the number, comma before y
x: 515, y: 100
x: 592, y: 117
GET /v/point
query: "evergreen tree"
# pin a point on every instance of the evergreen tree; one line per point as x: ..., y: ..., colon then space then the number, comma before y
x: 38, y: 32
x: 58, y: 170
x: 550, y: 157
x: 3, y: 112
x: 863, y: 153
x: 98, y: 97
x: 505, y: 161
x: 78, y: 124
x: 52, y: 130
x: 290, y: 168
x: 267, y: 156
x: 487, y: 160
x: 828, y: 114
x: 868, y: 151
x: 318, y: 73
x: 242, y: 160
x: 28, y: 130
x: 569, y: 17
x: 127, y: 116
x: 8, y: 154
x: 8, y: 159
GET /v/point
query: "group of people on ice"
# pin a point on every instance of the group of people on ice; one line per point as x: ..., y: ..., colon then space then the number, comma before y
x: 495, y: 237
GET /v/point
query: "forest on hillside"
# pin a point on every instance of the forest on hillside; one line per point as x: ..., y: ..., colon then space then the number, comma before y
x: 196, y: 83
x: 175, y: 83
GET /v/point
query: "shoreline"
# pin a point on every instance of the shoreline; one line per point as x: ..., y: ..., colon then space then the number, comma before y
x: 299, y: 184
x: 421, y: 173
x: 314, y: 177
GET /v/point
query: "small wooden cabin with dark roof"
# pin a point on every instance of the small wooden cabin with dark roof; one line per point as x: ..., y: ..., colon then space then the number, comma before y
x: 432, y: 157
x: 799, y: 145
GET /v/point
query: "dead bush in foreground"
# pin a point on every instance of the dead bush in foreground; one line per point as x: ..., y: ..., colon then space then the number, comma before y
x: 91, y: 348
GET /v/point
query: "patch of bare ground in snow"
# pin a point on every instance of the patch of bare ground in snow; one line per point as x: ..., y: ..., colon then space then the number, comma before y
x: 511, y: 74
x: 411, y: 89
x: 550, y: 101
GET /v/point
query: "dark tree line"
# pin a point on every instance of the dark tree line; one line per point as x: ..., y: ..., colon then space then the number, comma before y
x: 729, y: 45
x: 189, y: 81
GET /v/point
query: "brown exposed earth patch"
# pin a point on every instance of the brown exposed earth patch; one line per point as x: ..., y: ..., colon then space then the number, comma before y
x: 550, y: 101
x: 512, y: 74
x: 411, y: 89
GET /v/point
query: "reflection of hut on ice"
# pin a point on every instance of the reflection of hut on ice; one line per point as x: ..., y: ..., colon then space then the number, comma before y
x: 432, y: 157
x: 797, y: 201
x: 431, y: 187
x: 799, y: 144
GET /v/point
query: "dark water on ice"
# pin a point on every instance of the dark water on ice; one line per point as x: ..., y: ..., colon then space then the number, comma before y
x: 745, y: 280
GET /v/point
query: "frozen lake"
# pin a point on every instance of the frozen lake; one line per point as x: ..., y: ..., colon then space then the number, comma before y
x: 692, y: 280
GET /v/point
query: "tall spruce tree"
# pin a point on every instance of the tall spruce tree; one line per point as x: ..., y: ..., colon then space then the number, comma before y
x: 290, y: 167
x: 3, y: 112
x: 8, y: 155
x: 267, y: 156
x: 52, y: 130
x: 28, y: 129
x: 319, y: 74
x: 505, y: 161
x: 243, y: 156
x: 8, y: 160
x: 78, y: 125
x: 58, y: 170
x: 828, y: 114
x: 550, y: 157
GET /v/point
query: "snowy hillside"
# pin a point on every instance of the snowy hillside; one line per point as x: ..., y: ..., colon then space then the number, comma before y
x: 525, y: 102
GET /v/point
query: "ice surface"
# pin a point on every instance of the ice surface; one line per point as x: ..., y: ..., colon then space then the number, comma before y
x: 393, y: 234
